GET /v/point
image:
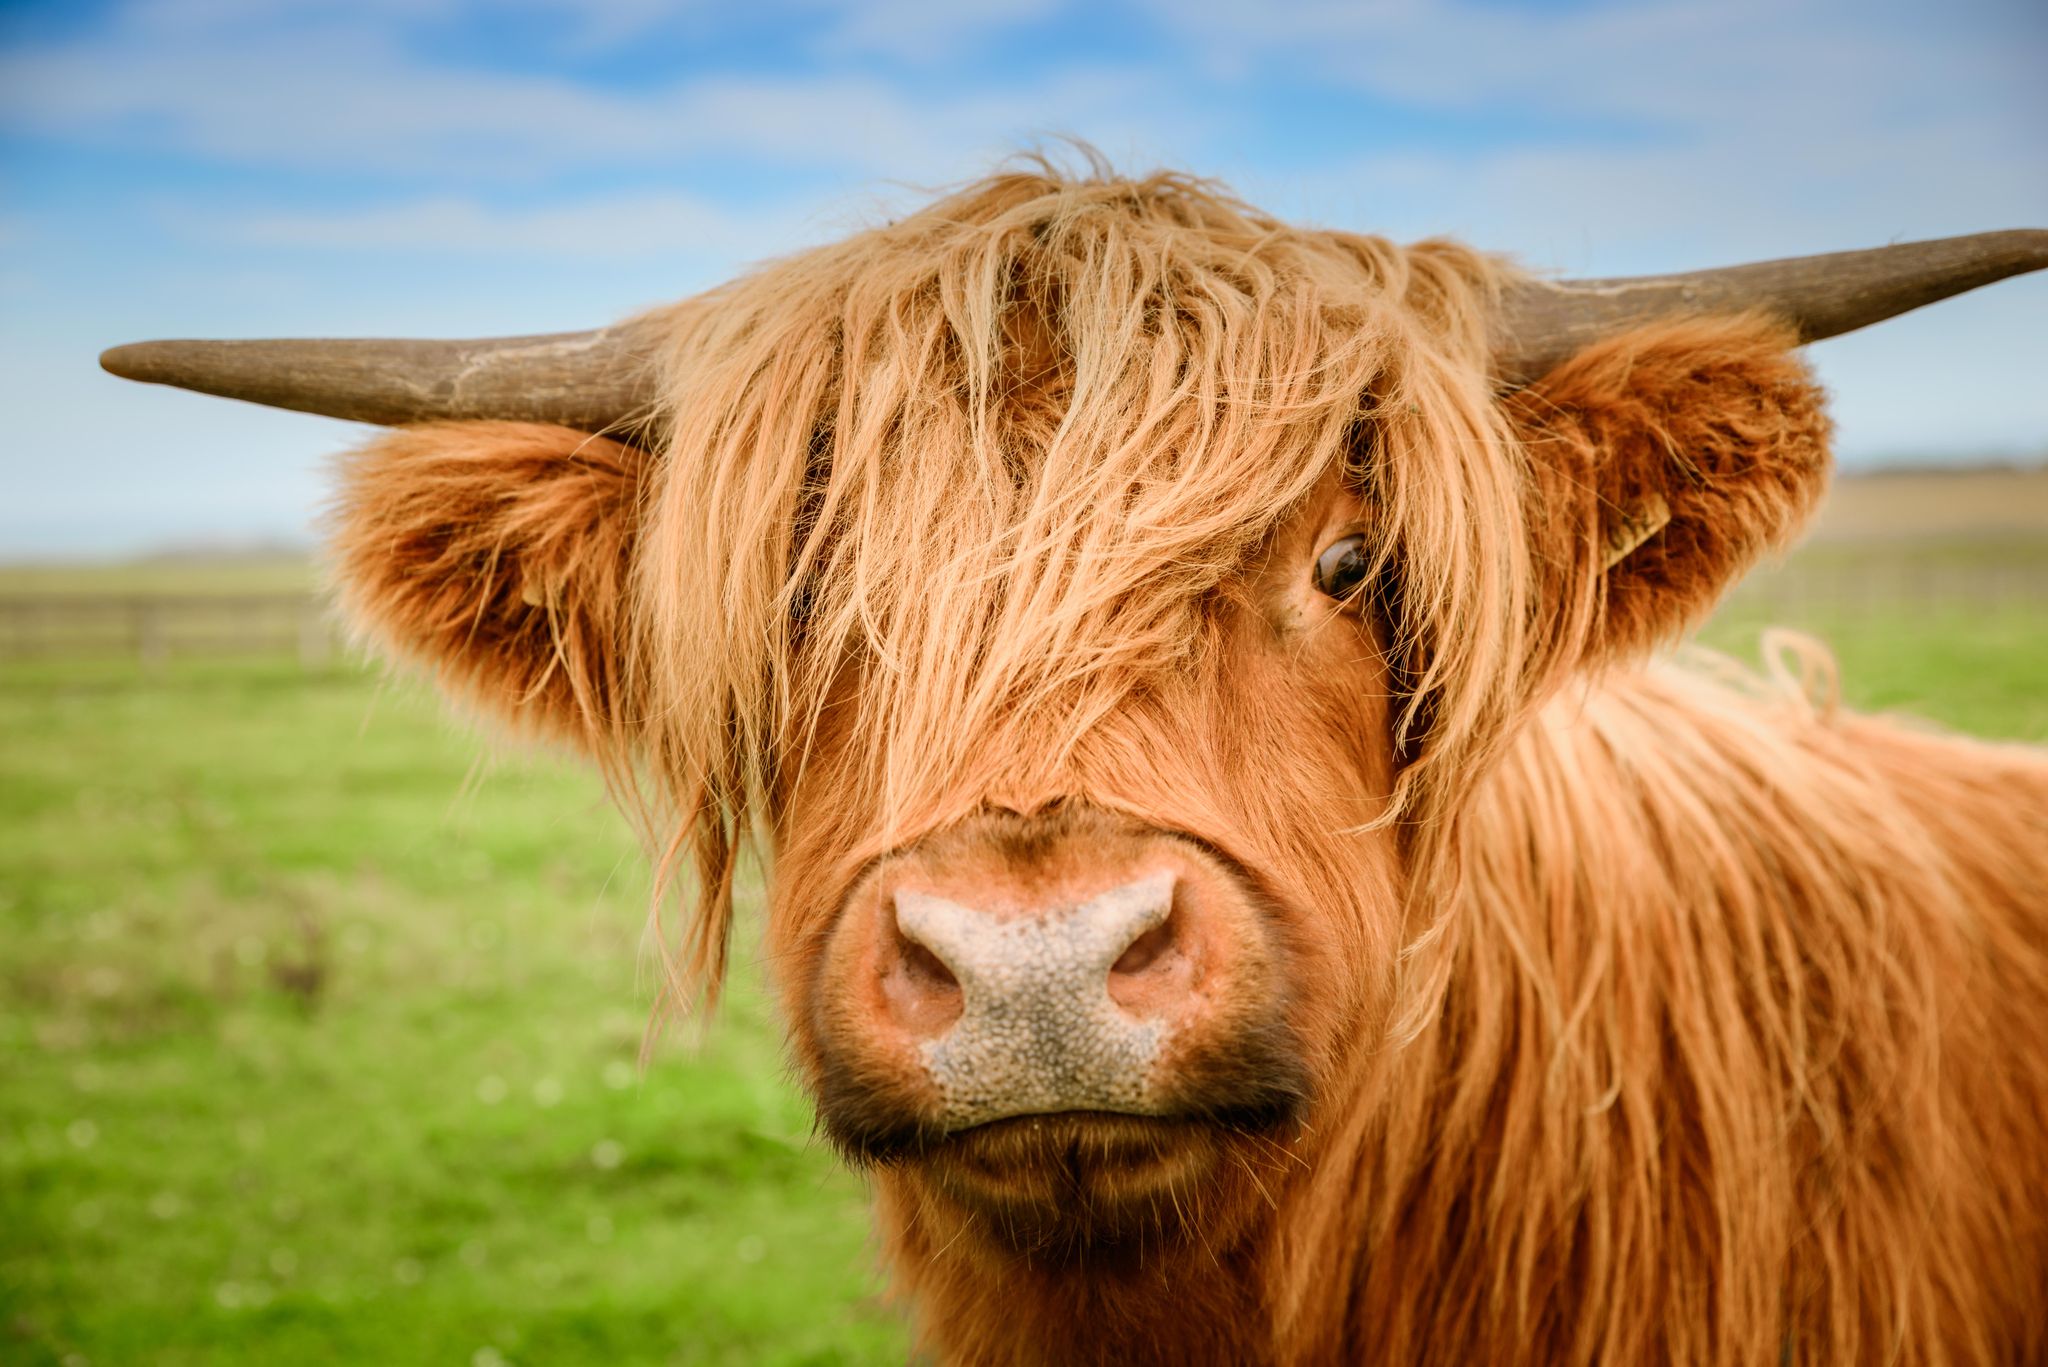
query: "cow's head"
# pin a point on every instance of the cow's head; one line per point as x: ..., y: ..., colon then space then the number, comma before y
x: 1102, y: 598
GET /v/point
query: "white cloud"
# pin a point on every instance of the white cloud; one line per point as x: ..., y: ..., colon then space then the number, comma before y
x: 926, y: 31
x: 607, y: 228
x: 923, y: 31
x: 362, y: 105
x: 1661, y: 135
x: 590, y: 25
x: 1625, y: 210
x: 1609, y: 138
x: 1748, y: 65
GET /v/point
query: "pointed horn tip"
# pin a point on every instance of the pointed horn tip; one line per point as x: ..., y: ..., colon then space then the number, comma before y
x: 161, y: 362
x: 133, y: 360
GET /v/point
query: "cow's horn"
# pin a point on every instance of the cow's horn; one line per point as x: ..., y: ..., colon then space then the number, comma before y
x: 1542, y: 322
x: 598, y: 381
x: 602, y: 380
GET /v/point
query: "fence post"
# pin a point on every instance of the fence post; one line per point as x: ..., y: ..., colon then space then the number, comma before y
x: 316, y: 640
x: 151, y: 646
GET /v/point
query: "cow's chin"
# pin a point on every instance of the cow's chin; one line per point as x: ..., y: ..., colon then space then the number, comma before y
x: 1080, y: 1182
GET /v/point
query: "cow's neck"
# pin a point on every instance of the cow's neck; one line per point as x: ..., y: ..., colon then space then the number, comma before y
x: 976, y: 1302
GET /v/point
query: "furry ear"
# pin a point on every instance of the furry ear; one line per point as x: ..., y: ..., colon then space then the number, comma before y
x: 497, y: 554
x: 1663, y: 463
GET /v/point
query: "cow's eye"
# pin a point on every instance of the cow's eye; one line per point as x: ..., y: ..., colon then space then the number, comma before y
x: 1342, y: 567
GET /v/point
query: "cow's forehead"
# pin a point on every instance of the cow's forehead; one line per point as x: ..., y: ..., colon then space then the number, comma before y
x: 1016, y: 459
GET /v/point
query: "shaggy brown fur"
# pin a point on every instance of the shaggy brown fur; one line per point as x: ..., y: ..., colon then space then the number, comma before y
x: 498, y: 555
x: 1714, y: 421
x: 1707, y: 1085
x: 1724, y: 1075
x: 1647, y: 1016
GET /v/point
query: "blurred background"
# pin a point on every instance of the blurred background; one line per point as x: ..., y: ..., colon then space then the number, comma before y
x: 319, y: 1012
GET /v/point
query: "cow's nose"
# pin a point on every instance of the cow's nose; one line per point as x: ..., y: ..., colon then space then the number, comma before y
x: 1061, y: 1008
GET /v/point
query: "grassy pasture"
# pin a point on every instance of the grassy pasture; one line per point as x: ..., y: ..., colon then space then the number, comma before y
x: 1953, y: 631
x: 320, y: 1018
x: 165, y: 576
x: 321, y: 1040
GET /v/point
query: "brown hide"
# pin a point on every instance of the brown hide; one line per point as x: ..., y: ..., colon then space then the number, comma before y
x: 1646, y: 1014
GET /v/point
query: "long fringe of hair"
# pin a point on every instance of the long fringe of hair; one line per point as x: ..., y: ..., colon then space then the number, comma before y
x: 1702, y: 1088
x: 995, y: 455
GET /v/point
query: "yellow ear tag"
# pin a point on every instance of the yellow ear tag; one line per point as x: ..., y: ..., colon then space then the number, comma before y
x: 1632, y: 528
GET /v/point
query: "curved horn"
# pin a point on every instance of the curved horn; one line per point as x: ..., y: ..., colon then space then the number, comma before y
x: 1543, y: 322
x: 594, y: 380
x: 602, y: 379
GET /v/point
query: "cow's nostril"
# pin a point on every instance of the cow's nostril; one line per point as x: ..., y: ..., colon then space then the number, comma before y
x: 1145, y: 950
x: 922, y: 994
x: 922, y: 991
x: 925, y: 969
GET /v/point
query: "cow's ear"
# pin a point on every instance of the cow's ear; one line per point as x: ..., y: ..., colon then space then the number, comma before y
x: 498, y: 555
x: 1663, y: 463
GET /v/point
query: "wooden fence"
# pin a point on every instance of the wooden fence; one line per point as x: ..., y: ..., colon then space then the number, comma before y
x: 1876, y: 587
x: 153, y: 628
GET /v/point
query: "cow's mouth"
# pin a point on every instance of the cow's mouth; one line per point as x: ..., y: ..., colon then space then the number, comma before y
x: 1078, y: 1178
x: 1103, y: 1185
x: 1084, y: 1147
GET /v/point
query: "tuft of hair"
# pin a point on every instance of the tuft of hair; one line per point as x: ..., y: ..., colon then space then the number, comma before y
x: 1706, y: 438
x: 987, y: 467
x: 497, y: 555
x: 1694, y: 1093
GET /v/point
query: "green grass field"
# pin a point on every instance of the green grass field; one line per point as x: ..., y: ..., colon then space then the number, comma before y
x: 321, y: 1040
x: 321, y: 1028
x: 1952, y: 630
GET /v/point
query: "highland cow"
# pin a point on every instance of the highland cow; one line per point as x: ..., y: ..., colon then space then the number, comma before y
x: 1244, y: 882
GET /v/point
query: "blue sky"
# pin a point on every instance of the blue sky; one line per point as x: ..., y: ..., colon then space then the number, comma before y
x: 461, y: 167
